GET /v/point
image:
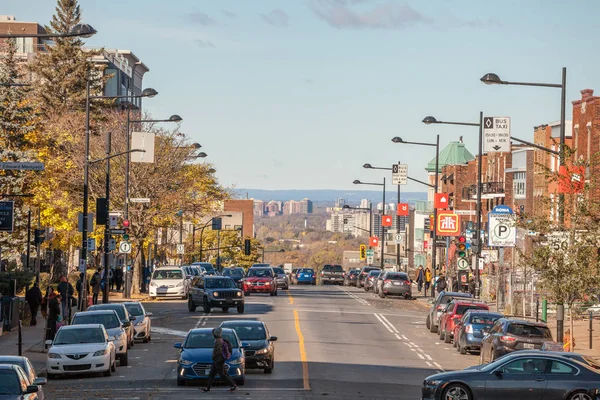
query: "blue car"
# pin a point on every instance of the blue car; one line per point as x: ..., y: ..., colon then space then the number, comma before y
x: 305, y: 275
x: 471, y: 329
x: 195, y: 358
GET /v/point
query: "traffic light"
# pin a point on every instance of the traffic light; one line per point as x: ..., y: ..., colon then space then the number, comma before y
x: 40, y: 236
x: 126, y: 225
x: 247, y: 247
x: 363, y: 252
x: 462, y: 246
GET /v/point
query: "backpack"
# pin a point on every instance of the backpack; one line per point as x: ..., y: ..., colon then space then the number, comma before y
x: 442, y: 284
x: 226, y: 352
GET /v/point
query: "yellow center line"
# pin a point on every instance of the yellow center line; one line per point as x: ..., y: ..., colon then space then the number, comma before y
x: 302, y: 351
x: 290, y: 296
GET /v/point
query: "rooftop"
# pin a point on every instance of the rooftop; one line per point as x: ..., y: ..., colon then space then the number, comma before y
x: 455, y: 153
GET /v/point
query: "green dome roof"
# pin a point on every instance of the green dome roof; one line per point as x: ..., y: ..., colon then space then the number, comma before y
x: 454, y: 153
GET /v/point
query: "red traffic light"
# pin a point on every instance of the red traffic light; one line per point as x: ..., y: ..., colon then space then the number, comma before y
x: 126, y: 223
x: 462, y: 239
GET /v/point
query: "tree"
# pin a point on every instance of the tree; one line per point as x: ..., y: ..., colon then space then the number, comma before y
x: 60, y: 72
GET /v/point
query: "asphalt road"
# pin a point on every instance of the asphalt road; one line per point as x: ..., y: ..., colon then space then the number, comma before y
x: 334, y: 342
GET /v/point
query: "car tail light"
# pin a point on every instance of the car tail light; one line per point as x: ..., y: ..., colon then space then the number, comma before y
x: 469, y: 329
x: 505, y: 338
x: 407, y: 283
x: 298, y: 276
x: 314, y: 276
x: 322, y: 273
x: 440, y: 307
x: 343, y: 274
x: 387, y: 281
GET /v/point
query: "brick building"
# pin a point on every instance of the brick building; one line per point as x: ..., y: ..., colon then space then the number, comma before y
x: 586, y: 136
x: 522, y: 174
x: 246, y: 207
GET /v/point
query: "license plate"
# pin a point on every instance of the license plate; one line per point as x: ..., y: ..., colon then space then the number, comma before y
x: 305, y: 276
x: 528, y: 346
x: 396, y: 283
x: 229, y: 300
x: 207, y: 371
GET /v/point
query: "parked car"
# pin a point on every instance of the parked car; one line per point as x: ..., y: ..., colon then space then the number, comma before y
x: 78, y: 349
x: 508, y: 335
x: 190, y: 272
x: 30, y: 374
x: 169, y: 282
x: 370, y: 279
x: 438, y: 304
x: 453, y: 313
x: 360, y: 280
x: 260, y: 265
x: 260, y: 353
x: 235, y: 273
x: 350, y: 277
x: 394, y: 284
x: 206, y: 268
x: 123, y: 314
x: 114, y: 327
x: 15, y: 385
x: 469, y: 332
x: 281, y: 278
x: 306, y: 276
x: 215, y: 291
x: 292, y: 274
x: 332, y: 274
x: 195, y: 358
x: 260, y: 280
x: 142, y: 326
x: 587, y: 360
x: 518, y: 376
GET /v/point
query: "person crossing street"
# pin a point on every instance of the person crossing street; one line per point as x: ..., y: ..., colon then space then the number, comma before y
x: 221, y: 352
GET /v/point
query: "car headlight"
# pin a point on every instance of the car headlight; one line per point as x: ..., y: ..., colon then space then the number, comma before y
x: 100, y: 353
x: 183, y: 361
x: 239, y: 294
x: 237, y: 361
x: 140, y: 322
x: 118, y: 336
x: 53, y: 355
x: 153, y: 284
x: 215, y: 294
x: 180, y: 284
x: 262, y: 351
x: 267, y: 283
x: 434, y: 382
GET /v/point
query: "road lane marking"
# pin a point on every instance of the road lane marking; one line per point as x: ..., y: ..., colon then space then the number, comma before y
x: 438, y: 365
x: 167, y: 331
x: 389, y: 323
x: 405, y: 338
x: 383, y: 323
x: 290, y: 297
x: 302, y: 351
x: 429, y: 364
x: 428, y: 357
x: 420, y: 356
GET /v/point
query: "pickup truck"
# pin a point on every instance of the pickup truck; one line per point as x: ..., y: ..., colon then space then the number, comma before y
x: 332, y: 274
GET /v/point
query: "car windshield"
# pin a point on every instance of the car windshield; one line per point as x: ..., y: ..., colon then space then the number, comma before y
x: 367, y: 270
x: 374, y: 273
x: 9, y: 383
x: 134, y: 309
x: 530, y: 331
x: 109, y: 321
x: 306, y: 271
x: 233, y: 272
x: 462, y: 309
x: 397, y: 277
x: 248, y: 332
x: 279, y: 271
x: 483, y: 319
x: 336, y: 268
x: 260, y: 272
x: 76, y: 336
x: 206, y: 340
x: 220, y: 283
x: 119, y: 308
x: 167, y: 274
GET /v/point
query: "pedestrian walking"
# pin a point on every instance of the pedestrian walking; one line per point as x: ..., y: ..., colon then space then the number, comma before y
x: 34, y: 299
x: 221, y: 353
x: 53, y: 315
x: 420, y: 278
x: 427, y: 279
x: 95, y: 284
x: 79, y: 288
x: 66, y: 293
x: 440, y: 284
x: 111, y: 278
x: 118, y: 278
x: 568, y: 341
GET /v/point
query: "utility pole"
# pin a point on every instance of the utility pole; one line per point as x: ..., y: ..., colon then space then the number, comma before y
x: 107, y: 237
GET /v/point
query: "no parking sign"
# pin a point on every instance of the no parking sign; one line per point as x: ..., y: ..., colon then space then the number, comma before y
x: 502, y: 231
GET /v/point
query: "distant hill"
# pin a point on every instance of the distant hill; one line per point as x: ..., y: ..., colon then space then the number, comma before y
x: 327, y: 195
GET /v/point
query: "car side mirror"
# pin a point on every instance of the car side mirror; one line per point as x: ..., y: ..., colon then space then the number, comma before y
x: 273, y: 339
x: 131, y: 318
x: 48, y: 342
x: 126, y: 324
x: 40, y: 381
x: 32, y: 389
x: 498, y: 373
x: 178, y: 345
x: 111, y: 338
x: 148, y: 314
x: 245, y: 345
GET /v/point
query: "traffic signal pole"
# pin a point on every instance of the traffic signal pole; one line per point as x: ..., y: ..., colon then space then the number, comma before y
x: 105, y: 291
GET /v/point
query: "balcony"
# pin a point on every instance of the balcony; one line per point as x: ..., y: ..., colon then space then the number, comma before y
x: 490, y: 190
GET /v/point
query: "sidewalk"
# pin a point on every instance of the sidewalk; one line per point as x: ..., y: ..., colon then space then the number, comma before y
x: 32, y: 344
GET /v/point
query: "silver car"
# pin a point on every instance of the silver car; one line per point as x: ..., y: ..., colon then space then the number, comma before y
x: 113, y: 325
x: 281, y: 278
x: 142, y: 325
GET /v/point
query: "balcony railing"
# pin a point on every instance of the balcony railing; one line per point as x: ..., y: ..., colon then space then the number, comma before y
x: 489, y: 190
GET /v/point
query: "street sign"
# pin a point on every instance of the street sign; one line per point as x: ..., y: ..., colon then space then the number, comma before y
x: 370, y: 259
x: 7, y: 213
x: 386, y: 220
x: 481, y: 263
x: 181, y: 248
x: 447, y: 224
x: 490, y: 255
x: 91, y: 244
x: 398, y: 238
x: 557, y: 241
x: 373, y: 241
x: 462, y: 263
x: 363, y: 251
x: 465, y: 212
x: 124, y: 247
x: 496, y: 134
x: 112, y: 220
x: 82, y: 266
x: 370, y: 253
x: 117, y: 231
x: 112, y: 245
x: 139, y: 200
x: 399, y: 174
x: 143, y: 141
x: 440, y: 200
x: 22, y: 166
x: 90, y: 222
x: 502, y: 231
x: 402, y: 210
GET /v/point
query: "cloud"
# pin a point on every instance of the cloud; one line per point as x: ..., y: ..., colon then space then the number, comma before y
x: 276, y: 18
x: 201, y: 19
x: 341, y: 15
x: 262, y: 176
x: 308, y: 81
x: 473, y: 23
x: 277, y: 163
x: 204, y: 43
x: 229, y: 13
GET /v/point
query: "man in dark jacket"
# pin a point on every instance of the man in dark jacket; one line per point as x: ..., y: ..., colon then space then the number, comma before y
x: 95, y: 284
x: 34, y: 299
x: 218, y: 364
x: 53, y: 313
x: 79, y: 288
x: 66, y: 292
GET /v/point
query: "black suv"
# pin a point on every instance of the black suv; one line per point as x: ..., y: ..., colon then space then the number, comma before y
x: 438, y: 305
x: 235, y: 273
x: 332, y: 274
x: 360, y: 280
x: 508, y: 335
x: 215, y: 291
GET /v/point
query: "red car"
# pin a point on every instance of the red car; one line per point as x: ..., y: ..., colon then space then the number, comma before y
x: 260, y: 280
x: 452, y: 315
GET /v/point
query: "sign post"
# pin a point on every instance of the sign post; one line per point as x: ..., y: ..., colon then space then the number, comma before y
x: 496, y: 132
x: 7, y: 214
x: 399, y: 174
x: 502, y: 231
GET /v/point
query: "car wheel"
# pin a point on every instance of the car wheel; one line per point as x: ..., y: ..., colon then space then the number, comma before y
x: 132, y: 342
x: 225, y: 309
x: 240, y: 308
x: 432, y: 328
x: 191, y: 305
x: 206, y: 306
x: 462, y: 350
x: 269, y: 370
x: 456, y: 391
x: 114, y: 366
x: 314, y: 283
x: 50, y: 376
x: 180, y: 382
x: 286, y: 287
x: 427, y: 322
x: 124, y: 359
x: 108, y: 372
x: 579, y: 396
x: 381, y: 294
x: 441, y: 334
x: 447, y: 338
x: 149, y: 337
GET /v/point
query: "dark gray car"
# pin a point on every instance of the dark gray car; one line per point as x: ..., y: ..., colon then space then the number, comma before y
x: 281, y: 278
x: 370, y: 279
x: 25, y: 364
x: 394, y: 284
x: 508, y: 335
x: 15, y: 385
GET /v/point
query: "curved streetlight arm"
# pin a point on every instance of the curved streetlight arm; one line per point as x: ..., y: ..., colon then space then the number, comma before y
x: 382, y: 168
x: 139, y: 121
x: 421, y: 182
x: 92, y: 162
x: 81, y: 30
x: 369, y: 183
x: 419, y: 143
x: 556, y: 153
x: 455, y: 123
x: 14, y: 84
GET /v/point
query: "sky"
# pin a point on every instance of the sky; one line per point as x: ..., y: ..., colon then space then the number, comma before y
x: 299, y: 94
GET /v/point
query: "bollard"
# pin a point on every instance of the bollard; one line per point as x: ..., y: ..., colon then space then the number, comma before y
x: 545, y: 310
x: 590, y: 329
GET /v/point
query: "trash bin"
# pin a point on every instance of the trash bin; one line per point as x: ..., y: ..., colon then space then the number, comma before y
x: 10, y: 313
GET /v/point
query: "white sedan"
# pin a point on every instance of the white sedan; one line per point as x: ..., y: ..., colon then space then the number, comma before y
x: 142, y: 325
x: 80, y: 349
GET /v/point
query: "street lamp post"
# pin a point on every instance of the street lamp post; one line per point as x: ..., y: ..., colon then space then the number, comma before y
x: 201, y: 229
x: 357, y: 182
x: 370, y: 210
x: 79, y: 30
x: 435, y: 189
x: 494, y: 79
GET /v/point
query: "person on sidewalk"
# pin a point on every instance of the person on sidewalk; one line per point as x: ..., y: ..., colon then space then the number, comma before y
x: 95, y: 284
x: 440, y: 284
x: 66, y: 292
x: 118, y: 278
x: 79, y: 288
x: 420, y: 278
x: 34, y: 299
x: 221, y: 352
x: 568, y: 341
x: 53, y: 314
x: 427, y: 279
